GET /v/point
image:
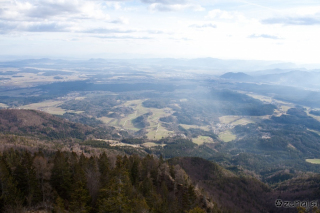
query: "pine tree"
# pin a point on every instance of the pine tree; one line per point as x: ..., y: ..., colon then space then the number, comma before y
x: 10, y: 195
x: 104, y: 169
x: 79, y: 195
x: 115, y: 196
x: 61, y: 176
x: 93, y: 179
x: 43, y: 173
x: 25, y: 176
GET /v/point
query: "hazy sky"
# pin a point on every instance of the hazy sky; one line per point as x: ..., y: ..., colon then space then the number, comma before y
x: 228, y: 29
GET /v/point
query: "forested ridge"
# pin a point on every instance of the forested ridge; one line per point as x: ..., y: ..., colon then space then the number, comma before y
x: 67, y: 182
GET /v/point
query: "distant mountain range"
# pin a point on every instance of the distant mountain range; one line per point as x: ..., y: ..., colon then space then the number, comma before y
x: 306, y: 79
x: 197, y: 63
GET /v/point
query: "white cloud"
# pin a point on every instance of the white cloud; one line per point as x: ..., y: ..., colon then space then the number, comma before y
x: 205, y: 25
x: 49, y: 9
x: 233, y: 29
x: 107, y: 31
x: 218, y: 14
x: 165, y: 1
x: 174, y: 7
x: 267, y: 36
x: 33, y: 27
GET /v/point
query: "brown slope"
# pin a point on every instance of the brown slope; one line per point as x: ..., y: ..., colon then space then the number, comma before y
x: 37, y: 123
x: 238, y: 194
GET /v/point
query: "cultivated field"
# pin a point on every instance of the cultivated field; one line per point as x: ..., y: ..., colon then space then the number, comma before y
x: 202, y: 139
x: 242, y: 121
x: 50, y: 106
x: 205, y: 128
x: 227, y: 136
x: 314, y: 116
x: 228, y: 119
x: 313, y: 161
x: 3, y: 105
x: 151, y: 144
x: 311, y: 130
x: 285, y: 108
x: 260, y: 97
x: 154, y: 132
x: 23, y: 79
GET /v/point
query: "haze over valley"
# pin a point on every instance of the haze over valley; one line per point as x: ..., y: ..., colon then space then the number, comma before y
x: 255, y: 126
x: 148, y: 106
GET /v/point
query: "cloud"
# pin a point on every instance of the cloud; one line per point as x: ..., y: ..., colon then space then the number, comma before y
x: 6, y: 27
x: 106, y: 31
x: 293, y: 21
x: 53, y: 10
x: 120, y: 20
x: 171, y: 5
x: 226, y: 16
x: 53, y: 15
x: 221, y: 14
x: 208, y: 25
x: 124, y: 37
x: 49, y: 9
x: 46, y: 27
x: 164, y: 1
x: 264, y: 36
x: 174, y: 7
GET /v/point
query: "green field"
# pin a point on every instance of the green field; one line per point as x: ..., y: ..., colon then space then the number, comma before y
x: 202, y: 139
x: 227, y: 136
x: 313, y: 161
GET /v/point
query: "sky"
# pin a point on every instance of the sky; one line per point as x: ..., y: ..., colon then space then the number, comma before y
x: 280, y: 30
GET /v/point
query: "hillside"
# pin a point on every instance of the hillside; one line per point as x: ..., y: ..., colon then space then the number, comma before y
x: 37, y: 123
x: 238, y: 194
x: 208, y: 185
x: 241, y: 193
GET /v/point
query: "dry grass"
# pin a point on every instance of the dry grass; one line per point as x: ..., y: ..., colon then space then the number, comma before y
x: 314, y: 116
x: 151, y: 144
x: 311, y: 130
x: 202, y: 139
x: 285, y: 108
x: 260, y: 97
x: 155, y: 131
x: 313, y: 161
x: 3, y: 105
x: 228, y: 119
x: 227, y: 136
x: 242, y: 121
x: 50, y: 106
x: 205, y: 128
x: 30, y: 79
